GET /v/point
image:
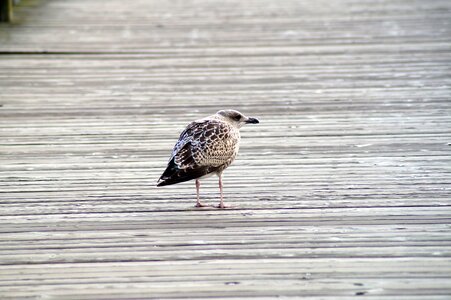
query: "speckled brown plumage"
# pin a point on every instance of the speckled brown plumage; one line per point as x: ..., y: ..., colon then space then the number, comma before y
x: 207, y: 146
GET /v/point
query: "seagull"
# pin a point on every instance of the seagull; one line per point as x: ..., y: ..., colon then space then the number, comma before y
x: 207, y: 146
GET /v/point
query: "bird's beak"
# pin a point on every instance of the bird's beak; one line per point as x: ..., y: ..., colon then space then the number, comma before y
x: 252, y: 121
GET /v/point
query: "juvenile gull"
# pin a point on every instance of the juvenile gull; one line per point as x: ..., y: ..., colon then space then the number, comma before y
x: 206, y: 147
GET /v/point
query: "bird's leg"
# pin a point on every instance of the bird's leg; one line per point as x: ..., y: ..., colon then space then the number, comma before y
x: 221, y: 203
x: 198, y: 204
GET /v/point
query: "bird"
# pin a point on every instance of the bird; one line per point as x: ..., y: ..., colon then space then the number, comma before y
x: 206, y: 147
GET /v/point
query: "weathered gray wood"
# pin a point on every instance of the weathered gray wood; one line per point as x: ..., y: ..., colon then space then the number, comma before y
x: 342, y: 190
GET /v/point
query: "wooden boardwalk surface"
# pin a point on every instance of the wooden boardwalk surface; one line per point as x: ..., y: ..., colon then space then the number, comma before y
x: 342, y: 190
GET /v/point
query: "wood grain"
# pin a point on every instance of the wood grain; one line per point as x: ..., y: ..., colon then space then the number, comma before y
x: 342, y: 190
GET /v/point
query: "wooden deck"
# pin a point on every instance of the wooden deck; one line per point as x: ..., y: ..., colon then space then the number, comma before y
x: 342, y: 190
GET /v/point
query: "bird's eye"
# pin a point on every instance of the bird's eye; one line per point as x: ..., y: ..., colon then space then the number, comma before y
x: 236, y: 117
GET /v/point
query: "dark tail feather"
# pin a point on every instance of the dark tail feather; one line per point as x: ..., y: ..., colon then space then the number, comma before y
x: 171, y: 171
x: 175, y: 179
x: 173, y: 174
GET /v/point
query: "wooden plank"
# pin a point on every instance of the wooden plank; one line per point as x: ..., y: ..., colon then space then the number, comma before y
x: 6, y: 10
x: 342, y: 190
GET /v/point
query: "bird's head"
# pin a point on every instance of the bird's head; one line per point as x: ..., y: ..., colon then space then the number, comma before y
x: 236, y: 118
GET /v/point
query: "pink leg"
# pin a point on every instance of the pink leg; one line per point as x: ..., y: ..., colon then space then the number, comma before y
x: 198, y: 204
x: 221, y: 203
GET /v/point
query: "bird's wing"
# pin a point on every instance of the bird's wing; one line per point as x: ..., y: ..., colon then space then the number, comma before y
x: 201, y: 149
x: 191, y: 131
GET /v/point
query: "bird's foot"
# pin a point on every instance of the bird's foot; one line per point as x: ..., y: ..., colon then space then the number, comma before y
x: 222, y: 206
x: 198, y: 204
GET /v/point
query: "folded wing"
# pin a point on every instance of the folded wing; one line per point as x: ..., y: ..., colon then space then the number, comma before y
x: 203, y: 148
